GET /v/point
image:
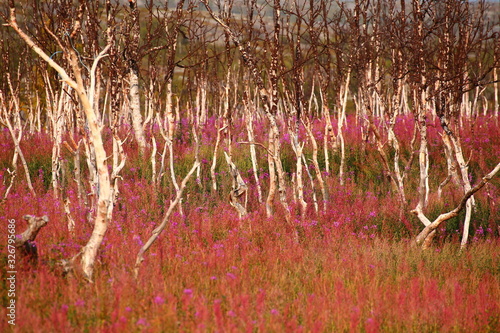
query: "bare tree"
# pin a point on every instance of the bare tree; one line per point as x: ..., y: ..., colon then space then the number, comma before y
x: 448, y: 38
x: 133, y: 59
x: 270, y: 104
x: 156, y: 232
x: 104, y: 203
x: 16, y: 133
x: 425, y: 237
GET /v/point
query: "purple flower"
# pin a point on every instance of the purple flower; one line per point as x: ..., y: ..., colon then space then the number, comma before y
x: 188, y: 291
x: 138, y: 239
x: 159, y: 300
x: 142, y: 321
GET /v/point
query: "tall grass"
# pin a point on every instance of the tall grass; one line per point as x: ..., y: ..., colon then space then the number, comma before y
x: 352, y: 268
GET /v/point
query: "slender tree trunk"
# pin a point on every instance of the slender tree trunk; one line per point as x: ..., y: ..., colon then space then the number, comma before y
x: 451, y: 164
x: 197, y: 156
x: 172, y: 174
x: 57, y: 119
x: 134, y: 91
x: 214, y: 159
x: 342, y: 119
x: 496, y: 100
x: 251, y: 139
x: 135, y: 109
x: 319, y: 177
x: 464, y: 171
x: 426, y: 235
x: 298, y: 148
x: 328, y: 136
x: 16, y: 133
x: 238, y: 188
x: 272, y: 176
x: 89, y: 252
x: 423, y: 158
x: 156, y: 233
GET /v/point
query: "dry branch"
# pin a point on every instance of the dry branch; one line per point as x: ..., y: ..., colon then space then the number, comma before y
x: 238, y: 188
x: 105, y: 202
x: 156, y: 232
x: 426, y: 235
x: 34, y: 226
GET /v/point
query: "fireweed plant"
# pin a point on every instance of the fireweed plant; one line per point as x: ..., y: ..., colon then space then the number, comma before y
x: 351, y: 268
x: 260, y: 166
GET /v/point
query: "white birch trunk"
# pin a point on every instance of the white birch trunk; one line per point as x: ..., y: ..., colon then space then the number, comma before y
x: 464, y: 171
x: 89, y: 252
x: 496, y: 101
x: 135, y: 110
x: 134, y: 92
x: 16, y: 133
x: 156, y: 232
x: 253, y: 153
x: 426, y: 235
x: 317, y: 170
x: 214, y: 159
x: 272, y: 176
x: 340, y: 124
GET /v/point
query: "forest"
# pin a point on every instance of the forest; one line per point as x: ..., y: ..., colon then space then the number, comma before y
x: 248, y: 165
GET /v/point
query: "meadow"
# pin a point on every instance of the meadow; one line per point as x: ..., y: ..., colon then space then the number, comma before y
x: 352, y: 268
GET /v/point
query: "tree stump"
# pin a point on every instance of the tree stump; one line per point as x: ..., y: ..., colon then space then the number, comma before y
x: 25, y: 241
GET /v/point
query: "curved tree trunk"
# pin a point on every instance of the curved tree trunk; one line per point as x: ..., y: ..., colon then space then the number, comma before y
x: 89, y: 252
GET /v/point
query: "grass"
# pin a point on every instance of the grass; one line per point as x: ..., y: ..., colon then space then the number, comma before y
x: 352, y: 268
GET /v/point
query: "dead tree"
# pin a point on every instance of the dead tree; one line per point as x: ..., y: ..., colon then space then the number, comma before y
x: 7, y: 111
x: 133, y: 59
x: 238, y: 188
x: 104, y: 201
x: 269, y: 102
x: 450, y: 42
x: 426, y: 236
x: 156, y: 232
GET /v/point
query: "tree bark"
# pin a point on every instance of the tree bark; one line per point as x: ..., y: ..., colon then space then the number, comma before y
x: 24, y: 241
x: 89, y: 252
x: 134, y: 91
x: 422, y: 238
x: 156, y: 232
x: 269, y: 104
x: 238, y: 188
x: 317, y: 170
x: 5, y: 120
